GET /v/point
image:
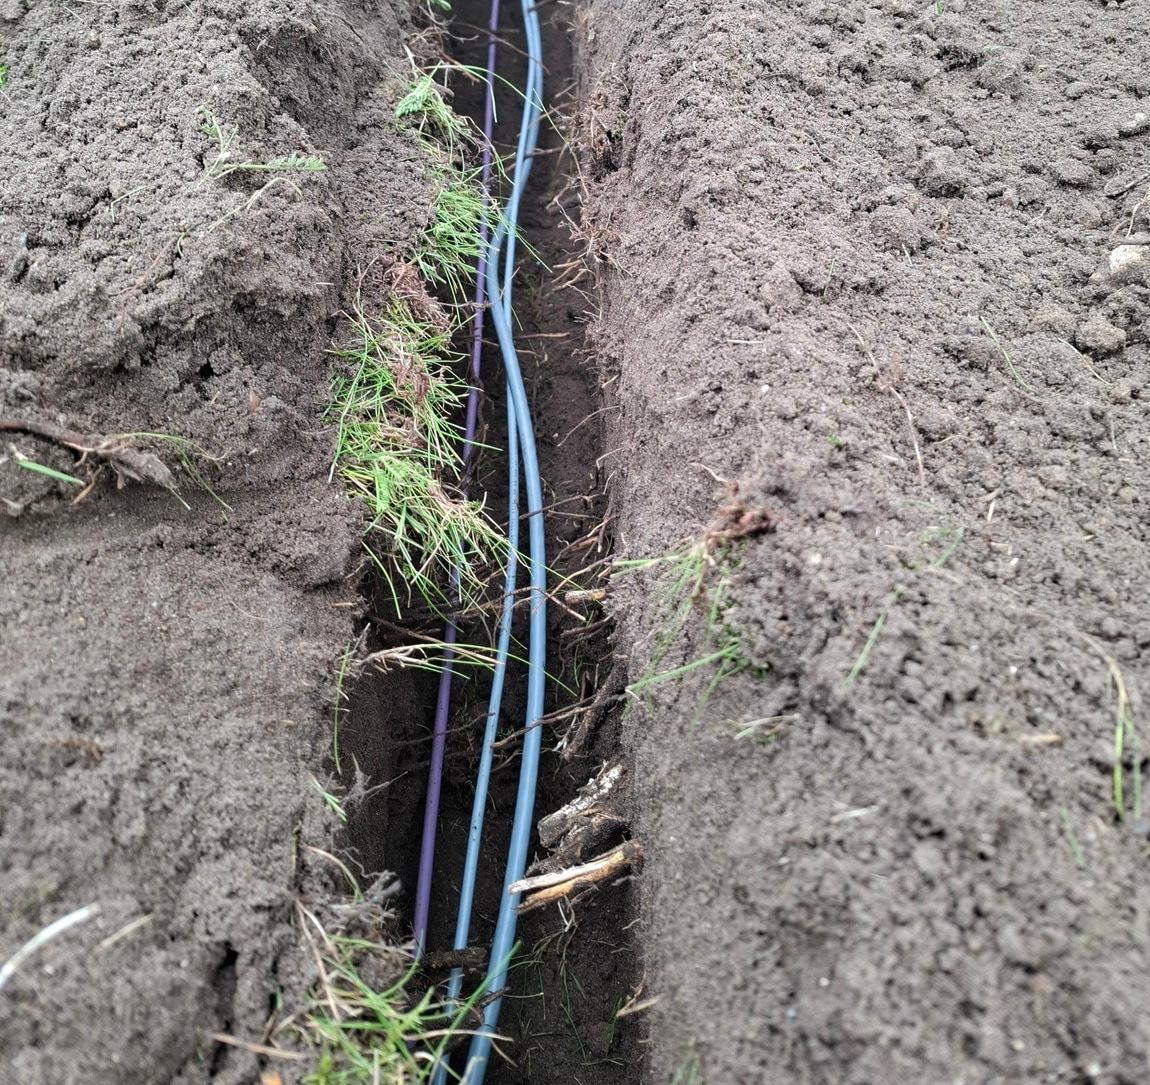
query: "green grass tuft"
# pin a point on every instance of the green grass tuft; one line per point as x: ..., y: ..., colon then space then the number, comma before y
x: 871, y: 640
x: 1125, y: 734
x: 439, y: 126
x: 393, y: 400
x: 363, y: 1028
x: 43, y: 469
x: 398, y: 390
x: 1010, y: 366
x: 228, y: 158
x: 449, y: 249
x: 687, y: 1072
x: 697, y: 580
x: 331, y: 800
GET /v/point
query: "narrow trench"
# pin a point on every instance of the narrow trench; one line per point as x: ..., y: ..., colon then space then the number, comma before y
x: 573, y: 970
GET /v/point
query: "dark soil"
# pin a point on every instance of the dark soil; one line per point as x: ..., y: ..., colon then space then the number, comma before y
x: 167, y: 673
x: 800, y: 228
x: 809, y: 210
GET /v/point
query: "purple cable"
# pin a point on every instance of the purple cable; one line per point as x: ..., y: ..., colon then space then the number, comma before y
x: 443, y: 700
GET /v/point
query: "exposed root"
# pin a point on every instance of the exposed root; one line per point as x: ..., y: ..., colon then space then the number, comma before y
x: 118, y: 451
x: 573, y: 883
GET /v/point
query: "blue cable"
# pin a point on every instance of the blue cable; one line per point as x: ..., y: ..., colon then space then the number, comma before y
x: 521, y: 445
x: 475, y: 833
x: 519, y: 422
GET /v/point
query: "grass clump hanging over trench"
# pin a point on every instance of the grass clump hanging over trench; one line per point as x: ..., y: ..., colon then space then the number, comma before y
x: 398, y: 396
x: 398, y: 389
x: 365, y: 1026
x: 394, y: 402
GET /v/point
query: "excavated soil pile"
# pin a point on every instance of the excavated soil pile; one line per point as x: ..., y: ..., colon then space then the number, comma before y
x: 863, y: 260
x: 167, y: 672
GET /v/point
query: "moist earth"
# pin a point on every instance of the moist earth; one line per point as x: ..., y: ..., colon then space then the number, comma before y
x: 167, y: 661
x: 862, y: 261
x: 854, y: 273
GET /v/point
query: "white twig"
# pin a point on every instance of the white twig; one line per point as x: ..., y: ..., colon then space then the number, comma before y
x: 547, y: 881
x: 53, y: 930
x: 124, y: 932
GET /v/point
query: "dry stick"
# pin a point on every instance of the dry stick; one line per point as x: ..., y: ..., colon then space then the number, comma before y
x: 585, y: 631
x: 884, y: 387
x: 329, y: 994
x: 636, y: 1006
x: 600, y: 701
x: 258, y: 1049
x: 126, y: 930
x: 585, y: 595
x: 135, y: 287
x: 340, y: 865
x: 548, y: 888
x: 1120, y: 189
x: 593, y: 414
x: 596, y: 537
x: 588, y: 804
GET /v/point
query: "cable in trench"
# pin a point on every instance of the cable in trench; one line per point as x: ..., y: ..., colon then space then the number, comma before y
x: 451, y: 633
x: 521, y: 450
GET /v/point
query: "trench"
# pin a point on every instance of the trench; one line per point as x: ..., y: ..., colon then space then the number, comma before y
x: 575, y: 967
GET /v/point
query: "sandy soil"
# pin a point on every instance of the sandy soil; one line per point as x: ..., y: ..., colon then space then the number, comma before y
x: 815, y: 213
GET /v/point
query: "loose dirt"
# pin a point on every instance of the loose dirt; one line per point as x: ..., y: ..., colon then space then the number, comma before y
x: 851, y: 273
x: 819, y: 218
x: 166, y: 668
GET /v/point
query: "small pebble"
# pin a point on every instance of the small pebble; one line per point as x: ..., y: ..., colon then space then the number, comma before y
x: 1099, y: 337
x: 1130, y: 265
x: 930, y: 861
x: 1076, y: 90
x: 1137, y: 124
x: 1069, y: 171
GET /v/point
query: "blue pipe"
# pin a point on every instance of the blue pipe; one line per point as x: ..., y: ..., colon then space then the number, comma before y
x: 483, y: 777
x: 521, y: 446
x: 522, y: 824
